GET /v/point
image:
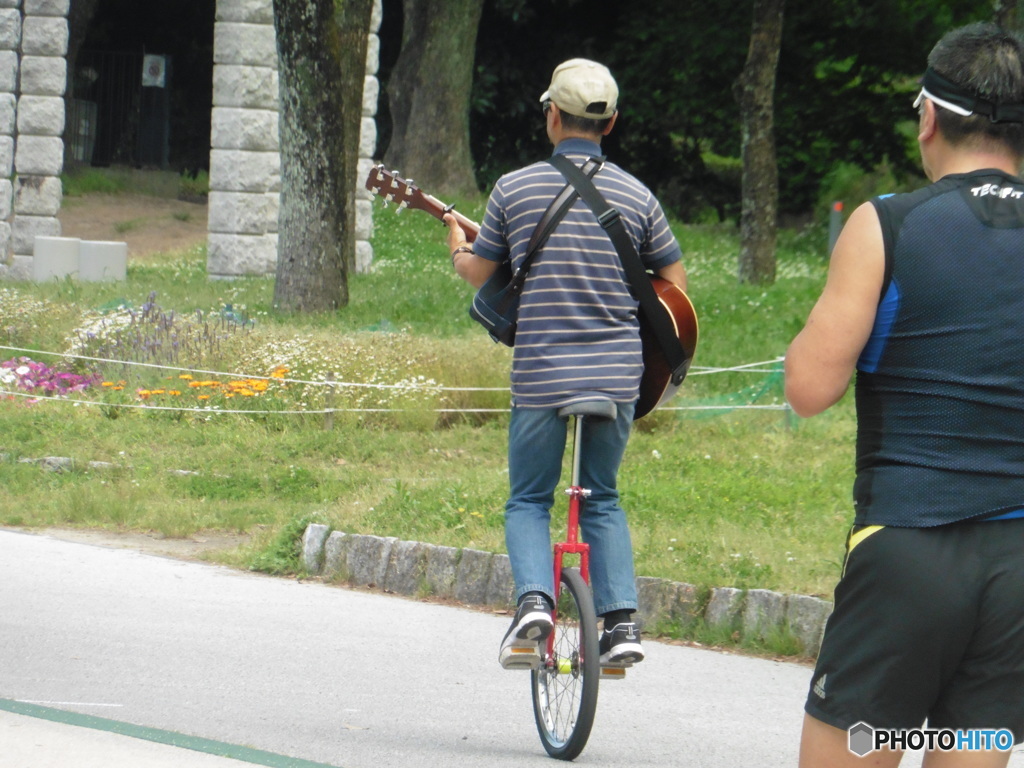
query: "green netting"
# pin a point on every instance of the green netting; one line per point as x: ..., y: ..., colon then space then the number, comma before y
x: 717, y: 405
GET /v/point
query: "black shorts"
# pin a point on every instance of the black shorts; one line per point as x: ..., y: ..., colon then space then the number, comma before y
x: 928, y: 624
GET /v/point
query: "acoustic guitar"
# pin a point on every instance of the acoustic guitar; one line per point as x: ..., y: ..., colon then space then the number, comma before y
x: 656, y: 384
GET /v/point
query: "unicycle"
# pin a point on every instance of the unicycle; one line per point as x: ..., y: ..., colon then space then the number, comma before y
x: 565, y: 683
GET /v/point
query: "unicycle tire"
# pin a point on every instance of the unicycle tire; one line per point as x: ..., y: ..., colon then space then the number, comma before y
x: 565, y: 684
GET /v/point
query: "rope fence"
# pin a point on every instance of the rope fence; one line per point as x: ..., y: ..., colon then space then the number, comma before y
x: 771, y: 367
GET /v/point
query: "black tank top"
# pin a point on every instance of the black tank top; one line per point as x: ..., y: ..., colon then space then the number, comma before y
x: 940, y: 384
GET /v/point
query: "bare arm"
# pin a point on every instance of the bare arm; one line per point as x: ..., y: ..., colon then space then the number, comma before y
x: 472, y: 268
x: 674, y: 273
x: 821, y: 360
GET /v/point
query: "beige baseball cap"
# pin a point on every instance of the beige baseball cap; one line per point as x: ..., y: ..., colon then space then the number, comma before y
x: 583, y: 88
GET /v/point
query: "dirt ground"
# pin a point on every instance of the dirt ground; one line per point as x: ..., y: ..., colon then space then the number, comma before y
x: 148, y: 224
x: 191, y: 548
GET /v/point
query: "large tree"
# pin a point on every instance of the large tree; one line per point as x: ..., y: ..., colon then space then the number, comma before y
x: 429, y: 94
x: 755, y: 91
x: 317, y: 173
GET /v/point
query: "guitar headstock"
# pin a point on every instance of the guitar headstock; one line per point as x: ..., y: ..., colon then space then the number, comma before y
x: 393, y: 188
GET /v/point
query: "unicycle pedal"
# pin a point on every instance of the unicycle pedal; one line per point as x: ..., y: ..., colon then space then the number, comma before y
x: 520, y: 656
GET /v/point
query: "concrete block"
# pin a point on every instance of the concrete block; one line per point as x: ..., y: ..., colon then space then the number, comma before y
x: 407, y: 569
x: 44, y: 36
x: 26, y: 229
x: 371, y: 93
x: 6, y: 205
x: 245, y: 213
x: 8, y: 71
x: 236, y: 85
x: 44, y: 75
x: 10, y: 29
x: 39, y: 156
x: 47, y: 7
x: 724, y: 607
x: 442, y: 563
x: 6, y: 156
x: 372, y: 55
x: 237, y: 255
x: 40, y: 115
x: 763, y: 612
x: 501, y: 586
x: 665, y: 602
x: 806, y: 617
x: 102, y: 261
x: 251, y: 129
x: 236, y: 170
x: 55, y: 258
x: 364, y: 257
x: 336, y: 556
x: 367, y: 137
x: 244, y: 43
x: 8, y: 113
x: 252, y: 11
x: 37, y: 195
x: 472, y: 576
x: 314, y: 538
x: 376, y: 16
x: 20, y: 267
x: 368, y: 558
x: 364, y: 220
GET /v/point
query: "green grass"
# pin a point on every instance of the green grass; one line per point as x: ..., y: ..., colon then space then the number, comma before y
x: 737, y: 497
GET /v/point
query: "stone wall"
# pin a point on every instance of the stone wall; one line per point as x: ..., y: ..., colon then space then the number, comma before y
x: 481, y: 578
x: 245, y: 167
x: 10, y: 42
x: 245, y: 179
x: 35, y: 34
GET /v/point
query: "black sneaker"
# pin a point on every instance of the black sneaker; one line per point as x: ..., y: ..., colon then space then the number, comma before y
x: 620, y: 646
x: 531, y: 626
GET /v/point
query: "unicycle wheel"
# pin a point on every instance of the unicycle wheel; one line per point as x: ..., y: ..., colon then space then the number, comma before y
x: 565, y: 684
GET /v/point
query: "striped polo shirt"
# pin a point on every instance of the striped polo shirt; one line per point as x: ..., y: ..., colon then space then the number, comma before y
x: 578, y: 335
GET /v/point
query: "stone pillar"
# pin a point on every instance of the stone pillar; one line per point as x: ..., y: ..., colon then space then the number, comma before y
x: 245, y: 164
x: 368, y: 144
x: 39, y: 146
x: 10, y: 41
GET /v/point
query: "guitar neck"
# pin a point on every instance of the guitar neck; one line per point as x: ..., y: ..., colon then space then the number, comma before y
x: 405, y: 194
x: 437, y: 209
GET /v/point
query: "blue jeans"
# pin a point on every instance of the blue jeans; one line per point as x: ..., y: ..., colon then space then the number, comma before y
x: 536, y: 443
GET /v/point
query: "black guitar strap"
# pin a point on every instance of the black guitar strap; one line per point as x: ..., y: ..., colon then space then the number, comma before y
x: 555, y: 213
x: 654, y: 311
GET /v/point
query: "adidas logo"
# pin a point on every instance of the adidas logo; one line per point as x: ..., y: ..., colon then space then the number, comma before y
x: 819, y: 687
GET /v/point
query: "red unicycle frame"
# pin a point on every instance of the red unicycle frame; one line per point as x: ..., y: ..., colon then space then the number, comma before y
x: 565, y: 683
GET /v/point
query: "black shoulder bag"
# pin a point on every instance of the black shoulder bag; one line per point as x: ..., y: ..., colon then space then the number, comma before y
x: 496, y: 304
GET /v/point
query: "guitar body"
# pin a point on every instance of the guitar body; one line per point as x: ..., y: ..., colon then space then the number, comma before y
x: 656, y: 383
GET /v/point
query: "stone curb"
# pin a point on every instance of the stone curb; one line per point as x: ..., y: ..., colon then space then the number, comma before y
x: 475, y: 577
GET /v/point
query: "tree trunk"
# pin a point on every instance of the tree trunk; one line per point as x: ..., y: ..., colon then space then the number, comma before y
x: 353, y: 19
x: 1007, y: 14
x: 317, y: 175
x: 428, y: 93
x: 755, y: 91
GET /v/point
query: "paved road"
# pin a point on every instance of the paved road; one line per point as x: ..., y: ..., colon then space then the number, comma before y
x: 328, y: 675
